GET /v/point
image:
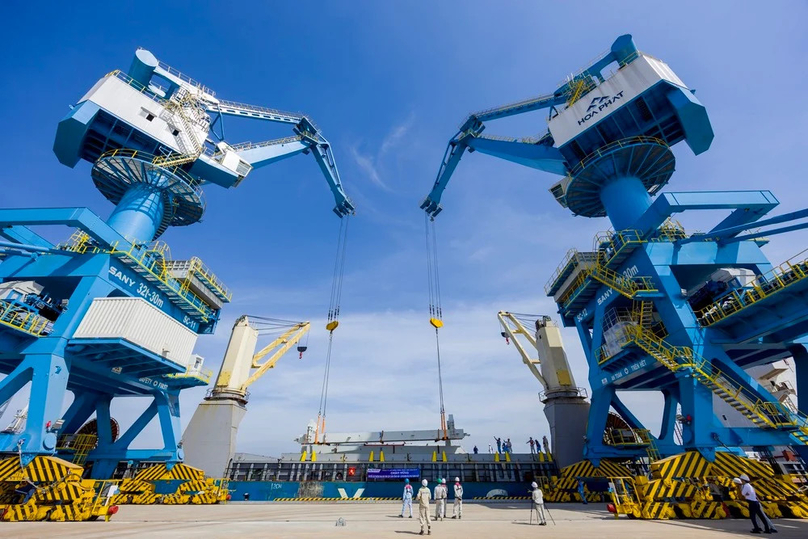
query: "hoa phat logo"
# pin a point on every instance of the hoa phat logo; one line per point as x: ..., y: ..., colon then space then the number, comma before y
x: 598, y: 104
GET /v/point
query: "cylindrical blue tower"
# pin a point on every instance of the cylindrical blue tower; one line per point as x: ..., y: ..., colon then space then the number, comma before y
x: 618, y: 179
x: 148, y: 197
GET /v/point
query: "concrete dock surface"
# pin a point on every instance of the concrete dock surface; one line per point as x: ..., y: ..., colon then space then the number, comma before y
x: 500, y: 520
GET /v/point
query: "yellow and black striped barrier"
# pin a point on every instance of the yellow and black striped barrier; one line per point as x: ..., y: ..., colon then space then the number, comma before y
x: 690, y: 486
x: 49, y: 488
x: 494, y: 498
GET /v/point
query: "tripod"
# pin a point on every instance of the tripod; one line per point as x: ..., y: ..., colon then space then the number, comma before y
x: 532, y: 507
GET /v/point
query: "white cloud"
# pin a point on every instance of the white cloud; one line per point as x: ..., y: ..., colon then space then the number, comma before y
x: 371, y: 165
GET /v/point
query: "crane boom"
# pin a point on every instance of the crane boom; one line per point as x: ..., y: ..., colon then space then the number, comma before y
x: 236, y: 374
x: 541, y: 153
x: 551, y: 367
x: 514, y: 329
x: 180, y: 122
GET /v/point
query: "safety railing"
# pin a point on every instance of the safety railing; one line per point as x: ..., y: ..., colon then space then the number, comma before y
x: 155, y: 160
x: 758, y: 410
x: 622, y: 143
x: 274, y: 142
x: 627, y: 286
x: 779, y: 278
x: 579, y: 87
x: 79, y: 445
x: 154, y: 265
x: 177, y: 107
x: 196, y: 267
x: 79, y: 242
x: 574, y: 289
x: 185, y: 78
x: 610, y: 245
x: 292, y: 116
x: 670, y: 231
x: 569, y: 258
x: 510, y: 106
x: 120, y: 75
x: 15, y: 317
x: 203, y: 375
x: 174, y: 168
x: 626, y: 437
x: 579, y: 392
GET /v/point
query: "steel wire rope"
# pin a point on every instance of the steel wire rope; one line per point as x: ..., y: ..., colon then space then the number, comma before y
x: 334, y: 279
x: 429, y: 266
x: 435, y: 305
x: 333, y: 317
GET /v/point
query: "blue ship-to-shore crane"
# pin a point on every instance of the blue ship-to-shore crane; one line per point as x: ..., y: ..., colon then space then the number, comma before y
x: 108, y: 314
x: 658, y: 309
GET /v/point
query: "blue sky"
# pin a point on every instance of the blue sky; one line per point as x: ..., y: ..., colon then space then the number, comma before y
x: 388, y: 83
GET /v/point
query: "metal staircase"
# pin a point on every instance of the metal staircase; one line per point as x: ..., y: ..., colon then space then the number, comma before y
x: 177, y: 106
x: 762, y: 413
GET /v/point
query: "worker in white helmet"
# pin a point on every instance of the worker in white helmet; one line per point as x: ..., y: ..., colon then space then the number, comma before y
x: 406, y: 498
x: 538, y: 503
x: 423, y: 507
x: 749, y: 494
x: 440, y: 500
x: 457, y: 509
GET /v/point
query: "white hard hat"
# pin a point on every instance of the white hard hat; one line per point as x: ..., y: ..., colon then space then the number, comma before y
x: 745, y: 478
x: 425, y: 482
x: 737, y: 481
x: 534, y: 485
x: 457, y: 479
x: 443, y: 481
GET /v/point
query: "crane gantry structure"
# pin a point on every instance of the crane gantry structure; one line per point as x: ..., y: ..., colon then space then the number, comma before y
x: 657, y: 308
x: 108, y: 313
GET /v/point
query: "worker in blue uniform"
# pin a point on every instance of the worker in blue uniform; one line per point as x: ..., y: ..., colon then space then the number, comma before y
x: 406, y: 498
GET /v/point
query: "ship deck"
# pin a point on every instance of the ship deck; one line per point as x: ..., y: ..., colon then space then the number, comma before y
x: 379, y: 520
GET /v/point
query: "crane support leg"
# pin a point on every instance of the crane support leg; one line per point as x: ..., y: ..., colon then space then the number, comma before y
x: 800, y: 355
x: 48, y: 376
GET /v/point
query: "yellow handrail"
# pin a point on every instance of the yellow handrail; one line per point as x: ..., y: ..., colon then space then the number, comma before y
x: 17, y: 318
x: 775, y: 280
x: 773, y: 414
x: 204, y: 375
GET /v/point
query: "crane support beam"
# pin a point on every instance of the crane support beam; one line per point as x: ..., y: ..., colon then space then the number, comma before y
x: 269, y: 152
x: 325, y: 159
x: 748, y: 206
x: 451, y: 158
x: 253, y: 112
x: 539, y: 156
x: 519, y: 107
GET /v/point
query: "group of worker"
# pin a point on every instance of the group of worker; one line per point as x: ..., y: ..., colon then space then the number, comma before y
x: 504, y: 446
x: 441, y: 493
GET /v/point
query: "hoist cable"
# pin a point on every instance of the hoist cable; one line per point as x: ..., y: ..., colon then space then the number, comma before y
x: 435, y: 306
x: 341, y: 258
x: 437, y: 272
x: 440, y: 380
x: 327, y: 375
x: 429, y: 267
x: 334, y: 277
x: 333, y: 316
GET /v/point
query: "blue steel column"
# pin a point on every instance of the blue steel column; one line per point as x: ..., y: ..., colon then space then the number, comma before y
x: 800, y: 355
x: 625, y: 200
x: 139, y: 213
